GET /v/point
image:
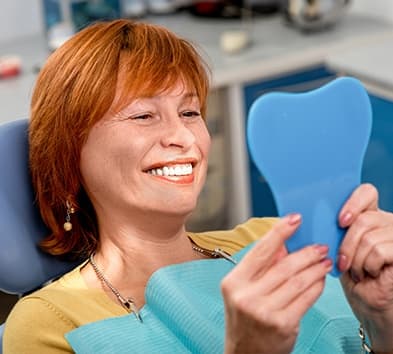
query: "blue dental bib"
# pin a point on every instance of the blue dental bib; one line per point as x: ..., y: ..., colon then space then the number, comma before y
x: 184, y: 313
x: 310, y: 149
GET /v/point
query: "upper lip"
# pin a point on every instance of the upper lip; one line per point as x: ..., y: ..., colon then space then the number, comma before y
x: 180, y: 161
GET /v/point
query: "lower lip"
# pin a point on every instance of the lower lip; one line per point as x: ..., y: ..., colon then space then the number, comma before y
x: 177, y: 179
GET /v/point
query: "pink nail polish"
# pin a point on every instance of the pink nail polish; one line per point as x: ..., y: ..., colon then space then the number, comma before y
x: 342, y: 262
x: 322, y: 249
x: 294, y: 218
x: 346, y: 218
x: 327, y: 263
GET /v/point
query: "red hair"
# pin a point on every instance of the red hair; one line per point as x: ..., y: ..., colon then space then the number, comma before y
x: 74, y: 90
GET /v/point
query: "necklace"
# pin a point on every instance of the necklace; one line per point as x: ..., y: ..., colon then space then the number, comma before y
x: 217, y: 253
x: 129, y: 303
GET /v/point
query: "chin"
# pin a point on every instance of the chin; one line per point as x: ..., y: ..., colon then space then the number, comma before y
x: 181, y: 211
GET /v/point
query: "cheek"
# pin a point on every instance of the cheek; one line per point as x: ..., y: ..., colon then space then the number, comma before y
x: 91, y: 167
x: 204, y: 141
x: 98, y: 159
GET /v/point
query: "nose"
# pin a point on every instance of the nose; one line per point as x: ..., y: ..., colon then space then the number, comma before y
x: 176, y: 133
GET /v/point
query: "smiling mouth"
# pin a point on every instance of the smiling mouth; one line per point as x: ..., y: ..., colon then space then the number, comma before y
x: 172, y: 170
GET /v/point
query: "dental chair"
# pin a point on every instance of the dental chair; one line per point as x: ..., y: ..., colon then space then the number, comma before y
x: 23, y: 266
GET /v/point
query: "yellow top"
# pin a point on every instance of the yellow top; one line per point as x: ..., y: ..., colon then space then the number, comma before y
x: 38, y: 322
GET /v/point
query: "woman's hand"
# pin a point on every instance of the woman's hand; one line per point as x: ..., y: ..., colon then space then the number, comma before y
x: 366, y: 258
x: 269, y: 291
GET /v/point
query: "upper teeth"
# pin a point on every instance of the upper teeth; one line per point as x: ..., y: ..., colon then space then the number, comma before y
x: 174, y: 170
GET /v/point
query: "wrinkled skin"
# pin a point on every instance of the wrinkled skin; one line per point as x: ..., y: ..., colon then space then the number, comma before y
x: 269, y: 291
x: 366, y: 257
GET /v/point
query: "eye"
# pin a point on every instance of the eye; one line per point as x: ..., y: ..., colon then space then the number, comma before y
x: 143, y: 116
x: 191, y: 114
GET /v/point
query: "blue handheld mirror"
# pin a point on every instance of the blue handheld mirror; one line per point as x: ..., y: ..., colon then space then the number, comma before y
x: 310, y: 149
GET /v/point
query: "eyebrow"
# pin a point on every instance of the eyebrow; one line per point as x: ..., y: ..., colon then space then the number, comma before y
x: 190, y: 94
x: 185, y: 95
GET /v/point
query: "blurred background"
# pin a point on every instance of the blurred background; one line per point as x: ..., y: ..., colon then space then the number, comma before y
x: 253, y: 47
x: 19, y: 18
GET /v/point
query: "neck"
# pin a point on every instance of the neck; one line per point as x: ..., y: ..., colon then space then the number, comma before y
x: 128, y: 256
x: 155, y: 240
x: 145, y: 252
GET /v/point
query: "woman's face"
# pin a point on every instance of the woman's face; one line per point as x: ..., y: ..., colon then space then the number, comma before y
x: 150, y: 157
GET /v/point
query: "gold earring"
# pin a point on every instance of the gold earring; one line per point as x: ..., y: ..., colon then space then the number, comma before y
x: 70, y: 210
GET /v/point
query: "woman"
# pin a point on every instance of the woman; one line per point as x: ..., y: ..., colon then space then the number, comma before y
x: 118, y: 153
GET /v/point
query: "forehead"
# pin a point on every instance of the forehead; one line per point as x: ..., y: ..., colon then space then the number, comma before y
x: 178, y: 90
x: 124, y: 96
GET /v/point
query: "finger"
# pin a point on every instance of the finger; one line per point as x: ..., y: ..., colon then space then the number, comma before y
x: 364, y: 197
x: 347, y: 283
x: 267, y: 249
x: 295, y: 286
x: 288, y: 268
x: 370, y: 243
x: 298, y: 308
x: 380, y: 255
x: 364, y: 223
x: 374, y: 293
x: 282, y: 252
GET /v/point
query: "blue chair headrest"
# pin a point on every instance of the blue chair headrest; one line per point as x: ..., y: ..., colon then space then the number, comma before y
x: 23, y: 266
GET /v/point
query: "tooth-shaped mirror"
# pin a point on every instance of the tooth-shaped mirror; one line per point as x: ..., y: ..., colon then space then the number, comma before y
x: 310, y: 149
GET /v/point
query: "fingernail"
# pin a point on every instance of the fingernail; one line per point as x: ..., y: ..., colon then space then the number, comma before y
x: 294, y: 218
x: 346, y: 218
x: 342, y: 262
x: 328, y: 264
x: 354, y: 276
x: 322, y: 249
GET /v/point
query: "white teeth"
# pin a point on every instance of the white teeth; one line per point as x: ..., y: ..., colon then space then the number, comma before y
x: 176, y: 170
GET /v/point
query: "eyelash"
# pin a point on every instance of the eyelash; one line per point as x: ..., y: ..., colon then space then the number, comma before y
x: 191, y: 114
x: 188, y: 114
x: 142, y: 116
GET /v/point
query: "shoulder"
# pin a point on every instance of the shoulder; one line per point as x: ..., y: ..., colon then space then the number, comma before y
x: 47, y: 314
x: 41, y: 319
x: 41, y: 324
x: 237, y: 238
x: 41, y: 304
